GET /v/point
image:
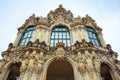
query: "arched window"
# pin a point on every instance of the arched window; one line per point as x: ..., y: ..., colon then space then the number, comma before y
x: 27, y: 35
x: 60, y: 34
x: 93, y: 36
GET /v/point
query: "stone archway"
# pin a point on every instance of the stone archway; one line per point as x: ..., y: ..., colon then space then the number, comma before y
x: 14, y: 71
x: 60, y: 70
x: 105, y: 72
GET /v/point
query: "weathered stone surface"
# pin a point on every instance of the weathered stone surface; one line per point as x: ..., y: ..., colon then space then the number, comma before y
x: 35, y: 57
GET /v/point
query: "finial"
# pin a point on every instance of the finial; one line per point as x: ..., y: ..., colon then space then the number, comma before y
x: 87, y: 15
x: 60, y: 6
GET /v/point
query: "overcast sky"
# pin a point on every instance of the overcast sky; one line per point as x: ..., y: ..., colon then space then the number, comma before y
x: 13, y: 14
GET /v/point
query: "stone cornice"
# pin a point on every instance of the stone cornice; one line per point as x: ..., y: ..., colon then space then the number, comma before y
x: 39, y: 47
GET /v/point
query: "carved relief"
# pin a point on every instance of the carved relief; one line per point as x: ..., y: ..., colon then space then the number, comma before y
x: 39, y: 60
x: 31, y: 62
x: 34, y: 54
x: 60, y: 14
x: 23, y: 67
x: 81, y: 65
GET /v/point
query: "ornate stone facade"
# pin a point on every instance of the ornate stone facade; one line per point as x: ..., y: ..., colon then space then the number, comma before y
x: 32, y: 61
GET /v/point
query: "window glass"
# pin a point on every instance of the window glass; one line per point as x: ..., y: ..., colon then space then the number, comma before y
x: 27, y: 36
x: 61, y: 35
x: 93, y: 36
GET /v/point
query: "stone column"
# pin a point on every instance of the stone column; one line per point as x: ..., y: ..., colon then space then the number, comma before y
x: 47, y: 36
x: 74, y: 36
x: 89, y: 66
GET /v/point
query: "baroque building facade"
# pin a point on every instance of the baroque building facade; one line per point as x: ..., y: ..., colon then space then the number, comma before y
x: 59, y: 47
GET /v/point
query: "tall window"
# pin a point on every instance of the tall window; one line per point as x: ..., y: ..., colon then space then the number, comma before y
x: 93, y: 36
x: 27, y: 35
x: 60, y: 34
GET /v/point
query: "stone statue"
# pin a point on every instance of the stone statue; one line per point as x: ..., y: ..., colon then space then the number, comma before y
x: 84, y: 43
x: 10, y: 46
x: 36, y: 43
x: 109, y: 48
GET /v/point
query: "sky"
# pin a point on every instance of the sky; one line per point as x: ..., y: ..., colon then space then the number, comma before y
x: 106, y: 13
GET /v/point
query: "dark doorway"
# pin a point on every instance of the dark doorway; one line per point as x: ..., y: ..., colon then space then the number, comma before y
x: 14, y: 71
x: 60, y: 70
x: 105, y: 72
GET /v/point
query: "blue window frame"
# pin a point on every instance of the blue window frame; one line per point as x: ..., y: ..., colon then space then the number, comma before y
x: 27, y: 35
x: 93, y: 36
x: 60, y: 34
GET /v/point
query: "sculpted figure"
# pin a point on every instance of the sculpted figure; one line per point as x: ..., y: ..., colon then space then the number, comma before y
x: 39, y: 65
x: 10, y: 46
x: 23, y: 68
x: 24, y: 65
x: 89, y: 64
x: 84, y: 43
x: 38, y: 62
x: 81, y: 65
x: 109, y: 48
x: 31, y: 62
x: 97, y: 65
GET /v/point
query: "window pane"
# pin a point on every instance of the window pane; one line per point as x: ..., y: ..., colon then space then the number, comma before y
x: 25, y: 35
x: 94, y: 36
x: 90, y: 34
x: 60, y: 40
x: 60, y: 29
x: 68, y: 36
x: 56, y: 33
x: 64, y: 36
x: 56, y: 36
x: 22, y: 42
x: 93, y: 41
x: 60, y: 36
x: 60, y: 33
x: 52, y: 34
x: 29, y: 34
x: 52, y: 42
x: 27, y: 40
x: 56, y: 41
x: 97, y: 42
